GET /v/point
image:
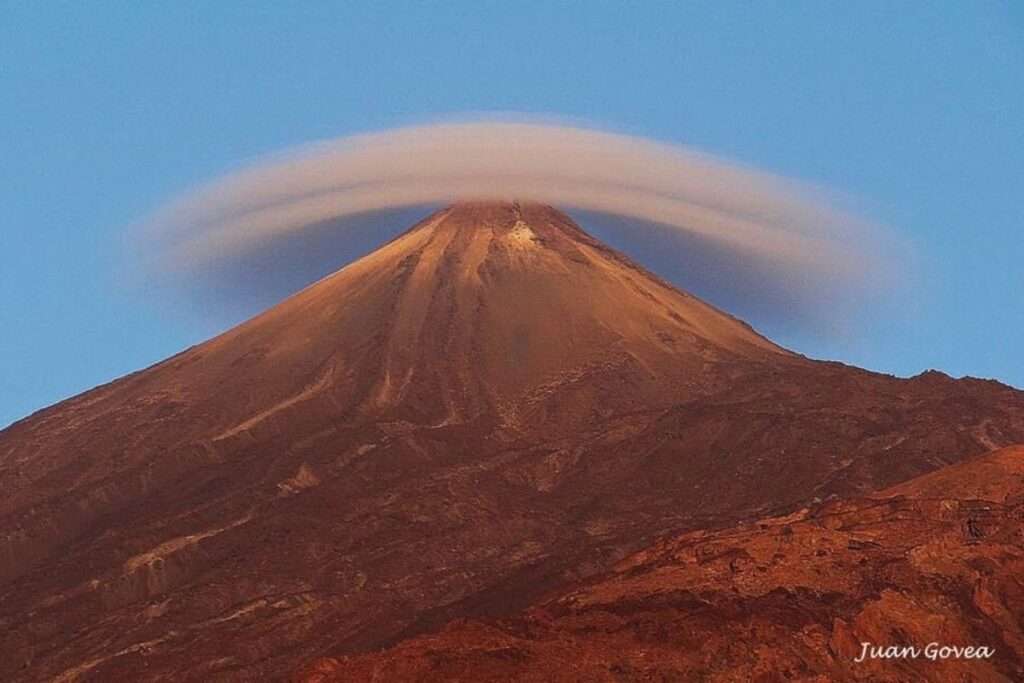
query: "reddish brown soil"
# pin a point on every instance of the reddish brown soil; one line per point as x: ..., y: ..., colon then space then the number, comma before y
x: 937, y: 559
x: 488, y: 408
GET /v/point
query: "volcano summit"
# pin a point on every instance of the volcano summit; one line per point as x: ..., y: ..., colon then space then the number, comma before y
x: 489, y: 409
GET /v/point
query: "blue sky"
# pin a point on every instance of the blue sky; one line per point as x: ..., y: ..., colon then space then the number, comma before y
x: 916, y: 110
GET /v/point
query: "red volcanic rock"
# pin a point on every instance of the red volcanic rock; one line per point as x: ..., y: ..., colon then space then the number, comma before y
x: 491, y: 406
x: 935, y: 563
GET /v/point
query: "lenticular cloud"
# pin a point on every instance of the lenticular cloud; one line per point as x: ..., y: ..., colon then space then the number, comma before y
x: 784, y: 231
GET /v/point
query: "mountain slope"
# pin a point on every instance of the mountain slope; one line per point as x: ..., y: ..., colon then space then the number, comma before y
x: 488, y: 407
x: 937, y: 559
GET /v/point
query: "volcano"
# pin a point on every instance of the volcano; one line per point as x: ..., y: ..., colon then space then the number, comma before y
x: 489, y: 409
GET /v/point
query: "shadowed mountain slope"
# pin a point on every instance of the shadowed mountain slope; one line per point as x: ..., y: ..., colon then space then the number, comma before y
x: 486, y: 408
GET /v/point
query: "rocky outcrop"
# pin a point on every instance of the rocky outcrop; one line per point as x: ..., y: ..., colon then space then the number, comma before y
x: 932, y: 567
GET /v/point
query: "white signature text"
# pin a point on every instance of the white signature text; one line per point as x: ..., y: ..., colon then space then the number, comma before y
x: 932, y: 651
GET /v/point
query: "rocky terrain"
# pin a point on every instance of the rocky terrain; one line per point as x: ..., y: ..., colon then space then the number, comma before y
x: 937, y: 559
x: 492, y: 408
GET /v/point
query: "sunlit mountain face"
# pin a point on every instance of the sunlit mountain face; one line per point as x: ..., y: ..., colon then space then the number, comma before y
x: 492, y: 411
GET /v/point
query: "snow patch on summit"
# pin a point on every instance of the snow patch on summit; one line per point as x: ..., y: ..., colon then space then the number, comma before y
x: 521, y: 235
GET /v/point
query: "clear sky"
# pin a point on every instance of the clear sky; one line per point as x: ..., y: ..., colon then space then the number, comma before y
x: 916, y: 110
